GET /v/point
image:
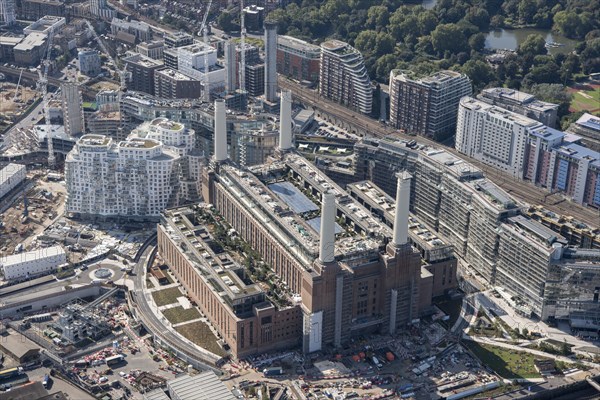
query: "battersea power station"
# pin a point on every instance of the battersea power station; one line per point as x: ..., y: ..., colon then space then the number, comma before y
x: 279, y: 256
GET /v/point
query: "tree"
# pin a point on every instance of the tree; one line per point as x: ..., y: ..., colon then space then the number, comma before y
x: 383, y: 66
x: 477, y: 42
x: 378, y: 17
x: 448, y: 37
x: 427, y: 22
x: 566, y: 23
x: 479, y: 72
x: 384, y: 44
x: 532, y: 46
x: 478, y: 17
x: 497, y: 21
x: 366, y: 41
x: 225, y: 21
x: 553, y: 93
x: 590, y: 56
x: 527, y: 9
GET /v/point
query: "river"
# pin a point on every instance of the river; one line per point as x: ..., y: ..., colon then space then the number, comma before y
x: 511, y: 38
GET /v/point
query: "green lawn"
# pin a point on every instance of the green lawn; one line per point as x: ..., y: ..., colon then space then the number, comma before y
x: 149, y: 284
x: 586, y: 100
x: 507, y: 363
x: 166, y: 296
x: 178, y: 314
x: 199, y: 333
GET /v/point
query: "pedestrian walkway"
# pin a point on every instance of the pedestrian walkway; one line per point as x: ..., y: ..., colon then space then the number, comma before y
x: 201, y: 319
x: 527, y: 350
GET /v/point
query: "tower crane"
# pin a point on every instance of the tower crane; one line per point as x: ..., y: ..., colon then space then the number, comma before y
x: 43, y: 84
x: 242, y: 71
x: 204, y: 29
x: 122, y: 72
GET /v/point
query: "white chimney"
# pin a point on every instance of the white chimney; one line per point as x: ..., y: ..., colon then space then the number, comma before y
x: 327, y: 243
x: 285, y: 120
x: 220, y: 138
x: 402, y: 204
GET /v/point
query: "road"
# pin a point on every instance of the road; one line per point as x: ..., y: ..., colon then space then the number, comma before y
x: 152, y: 322
x: 521, y: 190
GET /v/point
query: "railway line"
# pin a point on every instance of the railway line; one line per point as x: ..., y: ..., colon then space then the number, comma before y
x: 521, y: 190
x: 33, y: 77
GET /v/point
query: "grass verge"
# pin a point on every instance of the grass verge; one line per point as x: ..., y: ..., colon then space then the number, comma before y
x: 178, y: 314
x: 166, y: 296
x: 199, y: 333
x: 509, y: 364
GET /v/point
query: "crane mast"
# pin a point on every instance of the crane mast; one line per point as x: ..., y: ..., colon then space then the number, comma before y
x: 206, y: 93
x: 122, y: 72
x: 242, y: 71
x: 46, y: 101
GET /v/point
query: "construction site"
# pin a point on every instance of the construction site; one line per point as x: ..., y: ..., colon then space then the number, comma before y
x: 14, y: 101
x: 29, y: 209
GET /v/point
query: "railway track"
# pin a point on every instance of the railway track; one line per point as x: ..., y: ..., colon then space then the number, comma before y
x: 521, y: 190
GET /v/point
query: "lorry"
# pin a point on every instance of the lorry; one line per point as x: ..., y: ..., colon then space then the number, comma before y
x: 272, y: 371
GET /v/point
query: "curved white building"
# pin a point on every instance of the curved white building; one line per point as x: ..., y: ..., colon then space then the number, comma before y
x: 343, y: 76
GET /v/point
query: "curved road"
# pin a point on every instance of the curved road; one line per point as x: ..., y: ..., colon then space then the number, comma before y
x: 522, y: 190
x: 154, y: 323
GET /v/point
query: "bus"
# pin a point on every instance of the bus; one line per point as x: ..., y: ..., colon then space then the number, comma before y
x: 115, y: 360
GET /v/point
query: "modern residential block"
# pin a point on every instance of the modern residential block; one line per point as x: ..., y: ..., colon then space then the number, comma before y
x: 135, y: 178
x: 427, y: 106
x: 142, y: 72
x: 343, y: 76
x: 298, y: 59
x: 172, y: 84
x: 521, y: 103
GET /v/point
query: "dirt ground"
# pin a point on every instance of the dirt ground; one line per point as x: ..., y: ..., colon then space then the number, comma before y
x: 7, y: 90
x: 45, y: 203
x: 103, y: 85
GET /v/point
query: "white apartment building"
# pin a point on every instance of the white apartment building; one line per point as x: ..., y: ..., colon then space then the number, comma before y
x: 179, y: 140
x: 32, y: 263
x: 89, y: 63
x: 343, y: 76
x: 133, y: 178
x: 190, y: 61
x: 493, y: 135
x: 10, y: 177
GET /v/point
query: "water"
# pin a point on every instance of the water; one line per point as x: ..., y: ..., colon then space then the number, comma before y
x: 511, y: 38
x: 428, y: 4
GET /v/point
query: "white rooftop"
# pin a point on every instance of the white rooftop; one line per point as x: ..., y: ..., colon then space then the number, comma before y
x: 46, y: 252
